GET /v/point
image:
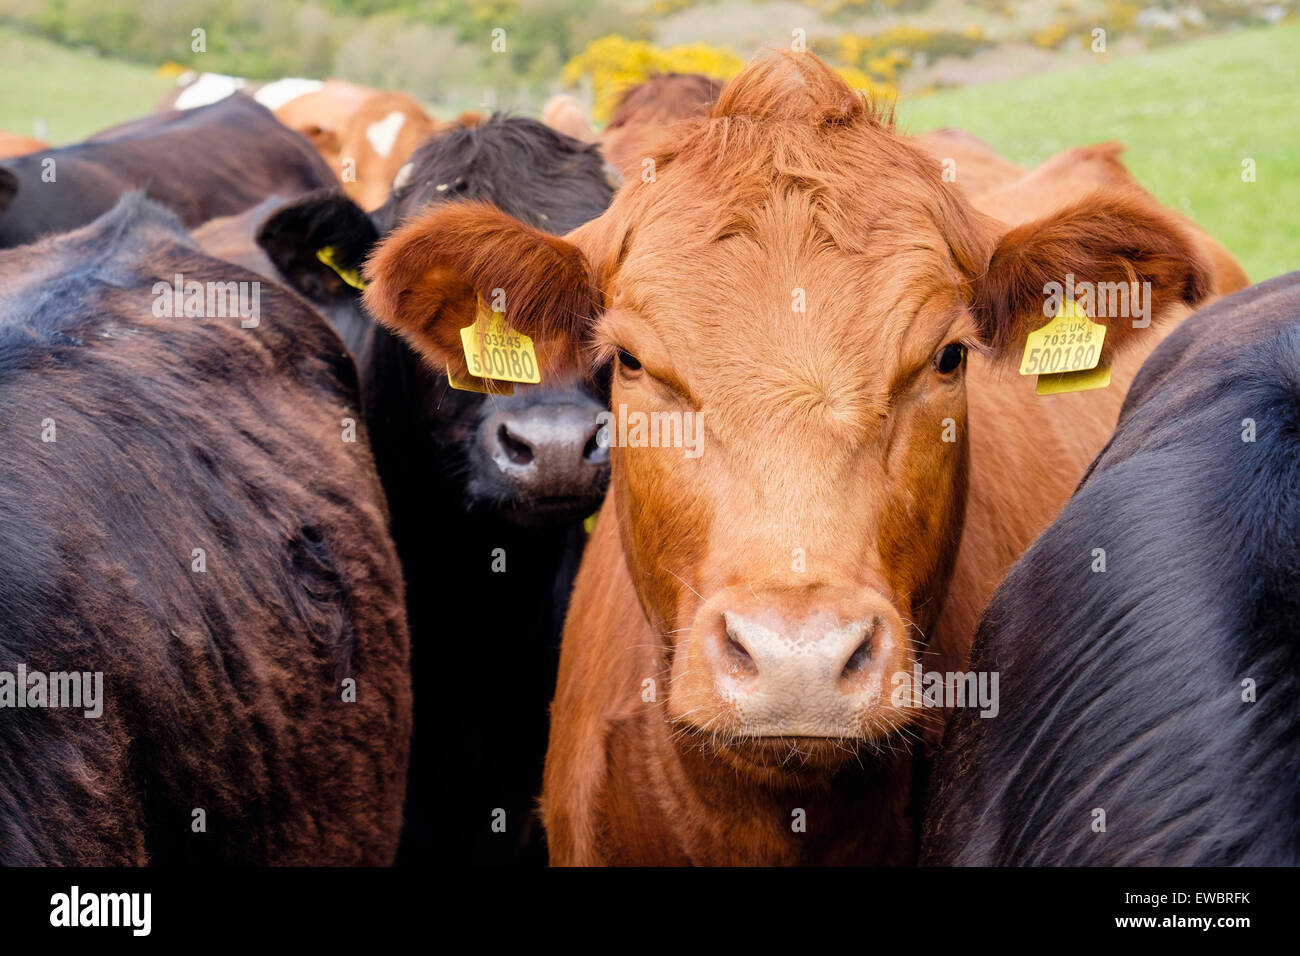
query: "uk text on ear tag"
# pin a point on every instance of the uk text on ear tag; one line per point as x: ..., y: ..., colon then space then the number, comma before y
x: 481, y: 385
x: 351, y: 276
x: 1070, y: 342
x: 494, y: 350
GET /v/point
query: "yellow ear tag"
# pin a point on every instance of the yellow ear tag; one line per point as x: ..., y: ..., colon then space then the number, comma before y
x: 1073, y: 381
x: 589, y: 523
x: 1065, y: 352
x: 351, y: 276
x: 484, y: 386
x: 494, y: 350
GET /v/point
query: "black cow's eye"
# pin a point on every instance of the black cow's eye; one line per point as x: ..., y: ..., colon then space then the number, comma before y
x: 628, y: 360
x: 950, y: 358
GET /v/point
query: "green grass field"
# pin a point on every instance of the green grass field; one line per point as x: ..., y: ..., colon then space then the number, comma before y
x: 75, y: 93
x: 1189, y: 114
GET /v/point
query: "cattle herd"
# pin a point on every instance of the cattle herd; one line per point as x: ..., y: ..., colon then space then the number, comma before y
x: 378, y: 489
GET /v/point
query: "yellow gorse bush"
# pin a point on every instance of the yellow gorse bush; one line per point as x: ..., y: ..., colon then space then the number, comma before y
x: 886, y: 55
x: 614, y: 63
x: 859, y: 80
x: 1051, y: 37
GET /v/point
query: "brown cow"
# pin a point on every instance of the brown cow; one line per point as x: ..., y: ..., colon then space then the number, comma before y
x: 365, y: 135
x: 565, y: 114
x: 1073, y: 174
x: 968, y: 161
x: 12, y: 144
x: 799, y: 287
x: 646, y: 114
x: 1006, y: 191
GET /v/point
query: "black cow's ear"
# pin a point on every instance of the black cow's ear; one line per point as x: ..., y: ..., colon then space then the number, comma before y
x: 8, y: 187
x: 318, y: 244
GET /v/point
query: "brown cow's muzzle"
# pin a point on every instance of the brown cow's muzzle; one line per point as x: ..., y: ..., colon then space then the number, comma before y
x: 802, y: 662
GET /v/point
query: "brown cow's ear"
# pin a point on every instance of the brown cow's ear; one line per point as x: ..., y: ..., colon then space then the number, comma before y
x: 427, y: 277
x: 1106, y: 238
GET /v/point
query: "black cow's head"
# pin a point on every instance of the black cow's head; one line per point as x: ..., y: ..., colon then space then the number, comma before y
x: 531, y: 456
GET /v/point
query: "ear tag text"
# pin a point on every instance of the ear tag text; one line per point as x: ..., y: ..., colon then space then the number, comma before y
x: 494, y: 350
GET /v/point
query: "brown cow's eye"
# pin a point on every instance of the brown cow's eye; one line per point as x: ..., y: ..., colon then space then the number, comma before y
x: 950, y: 358
x: 628, y: 360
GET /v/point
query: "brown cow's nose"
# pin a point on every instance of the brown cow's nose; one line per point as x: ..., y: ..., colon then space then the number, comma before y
x: 810, y: 656
x: 547, y: 451
x: 812, y: 663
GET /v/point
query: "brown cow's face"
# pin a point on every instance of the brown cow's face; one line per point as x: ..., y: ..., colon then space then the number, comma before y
x: 792, y: 292
x: 790, y: 557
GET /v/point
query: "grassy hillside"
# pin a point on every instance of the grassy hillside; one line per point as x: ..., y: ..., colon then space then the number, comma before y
x: 1189, y: 115
x: 75, y: 93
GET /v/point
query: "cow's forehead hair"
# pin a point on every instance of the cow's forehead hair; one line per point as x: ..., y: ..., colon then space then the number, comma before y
x: 793, y: 181
x: 783, y: 325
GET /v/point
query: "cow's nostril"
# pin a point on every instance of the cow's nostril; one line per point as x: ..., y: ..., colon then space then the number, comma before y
x: 519, y: 452
x: 594, y: 451
x: 739, y: 661
x: 858, y: 660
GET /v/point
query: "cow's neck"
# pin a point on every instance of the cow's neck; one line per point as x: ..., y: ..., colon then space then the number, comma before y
x: 857, y: 815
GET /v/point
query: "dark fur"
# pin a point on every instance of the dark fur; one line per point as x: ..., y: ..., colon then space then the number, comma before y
x: 290, y: 239
x: 1122, y: 690
x: 203, y: 163
x: 222, y: 688
x: 523, y: 167
x: 485, y: 643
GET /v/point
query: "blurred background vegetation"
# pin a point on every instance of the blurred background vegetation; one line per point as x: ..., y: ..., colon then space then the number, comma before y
x: 1192, y: 87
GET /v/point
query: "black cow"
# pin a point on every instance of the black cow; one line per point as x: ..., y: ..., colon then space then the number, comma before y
x: 182, y: 512
x: 1159, y: 698
x: 474, y: 483
x: 202, y: 163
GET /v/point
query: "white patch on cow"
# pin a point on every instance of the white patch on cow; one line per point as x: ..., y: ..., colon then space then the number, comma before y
x: 382, y: 135
x: 208, y: 88
x: 274, y: 95
x: 403, y: 177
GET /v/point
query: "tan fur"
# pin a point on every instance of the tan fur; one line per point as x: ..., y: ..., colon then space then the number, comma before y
x: 565, y: 114
x: 647, y: 114
x: 975, y: 167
